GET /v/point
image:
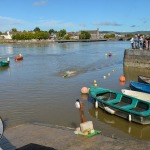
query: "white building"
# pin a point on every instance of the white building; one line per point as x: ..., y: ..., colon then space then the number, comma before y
x: 7, y: 36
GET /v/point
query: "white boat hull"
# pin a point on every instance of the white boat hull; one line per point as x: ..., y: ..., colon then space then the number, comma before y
x: 139, y: 95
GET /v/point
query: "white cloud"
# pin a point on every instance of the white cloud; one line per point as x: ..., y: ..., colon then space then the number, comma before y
x: 107, y: 23
x: 40, y: 3
x: 56, y: 24
x: 9, y: 21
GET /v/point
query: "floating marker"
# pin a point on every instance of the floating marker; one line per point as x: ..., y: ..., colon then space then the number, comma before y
x: 104, y: 77
x: 95, y: 84
x: 94, y: 81
x: 77, y: 104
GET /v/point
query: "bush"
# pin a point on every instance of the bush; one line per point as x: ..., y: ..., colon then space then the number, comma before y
x: 84, y: 35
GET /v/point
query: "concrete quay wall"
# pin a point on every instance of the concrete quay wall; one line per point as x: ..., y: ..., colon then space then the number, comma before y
x: 137, y: 58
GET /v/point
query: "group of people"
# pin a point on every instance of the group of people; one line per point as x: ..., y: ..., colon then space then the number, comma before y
x: 140, y: 41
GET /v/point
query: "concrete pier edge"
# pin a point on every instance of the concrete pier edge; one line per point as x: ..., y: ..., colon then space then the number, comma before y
x: 62, y: 138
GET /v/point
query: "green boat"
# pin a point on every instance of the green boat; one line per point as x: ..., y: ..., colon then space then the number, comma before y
x: 4, y: 63
x: 121, y: 105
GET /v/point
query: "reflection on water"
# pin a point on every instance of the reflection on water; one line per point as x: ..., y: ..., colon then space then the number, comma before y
x: 133, y: 129
x: 84, y: 96
x: 132, y: 73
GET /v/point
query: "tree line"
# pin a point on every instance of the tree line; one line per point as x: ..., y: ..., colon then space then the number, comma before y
x: 37, y: 33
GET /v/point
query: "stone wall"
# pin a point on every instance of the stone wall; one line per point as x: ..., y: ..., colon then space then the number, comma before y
x: 137, y: 58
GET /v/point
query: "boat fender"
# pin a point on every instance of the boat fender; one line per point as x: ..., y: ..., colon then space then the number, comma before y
x: 109, y: 110
x: 77, y: 104
x: 130, y: 117
x: 96, y: 104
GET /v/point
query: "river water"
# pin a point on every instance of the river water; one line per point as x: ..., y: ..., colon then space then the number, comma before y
x: 44, y: 86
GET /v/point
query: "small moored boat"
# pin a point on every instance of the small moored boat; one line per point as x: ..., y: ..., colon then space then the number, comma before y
x: 139, y: 95
x: 19, y: 57
x: 109, y: 54
x: 144, y: 79
x: 4, y: 63
x: 141, y: 87
x: 121, y: 105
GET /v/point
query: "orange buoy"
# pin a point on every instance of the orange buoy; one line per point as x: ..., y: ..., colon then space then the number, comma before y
x: 122, y: 78
x: 84, y: 90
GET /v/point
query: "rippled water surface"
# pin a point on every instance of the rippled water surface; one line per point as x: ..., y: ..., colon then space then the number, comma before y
x: 45, y: 85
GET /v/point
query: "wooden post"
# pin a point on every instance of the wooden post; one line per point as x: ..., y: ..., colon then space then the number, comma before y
x: 82, y: 117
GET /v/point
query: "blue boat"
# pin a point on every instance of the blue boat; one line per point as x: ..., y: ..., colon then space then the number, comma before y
x: 142, y: 87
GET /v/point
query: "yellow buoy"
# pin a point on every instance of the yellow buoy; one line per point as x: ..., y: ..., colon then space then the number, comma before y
x: 113, y: 70
x: 104, y: 77
x: 108, y: 74
x: 95, y: 84
x: 94, y: 81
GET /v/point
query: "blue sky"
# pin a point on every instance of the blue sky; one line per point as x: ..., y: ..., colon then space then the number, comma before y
x: 75, y: 15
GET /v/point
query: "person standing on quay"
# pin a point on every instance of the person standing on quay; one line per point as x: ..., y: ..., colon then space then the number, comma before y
x: 147, y: 39
x: 141, y: 42
x: 132, y: 42
x: 136, y: 41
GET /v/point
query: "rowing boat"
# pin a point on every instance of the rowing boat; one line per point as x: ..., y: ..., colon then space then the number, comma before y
x: 139, y: 95
x: 141, y: 87
x: 144, y: 79
x: 119, y: 104
x: 19, y: 57
x: 4, y: 63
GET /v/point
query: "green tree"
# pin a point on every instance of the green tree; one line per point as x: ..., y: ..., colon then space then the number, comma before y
x: 30, y: 35
x: 51, y: 31
x: 14, y: 30
x: 66, y: 37
x: 109, y: 36
x: 61, y: 33
x: 0, y: 33
x: 37, y: 29
x: 41, y: 35
x: 84, y: 35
